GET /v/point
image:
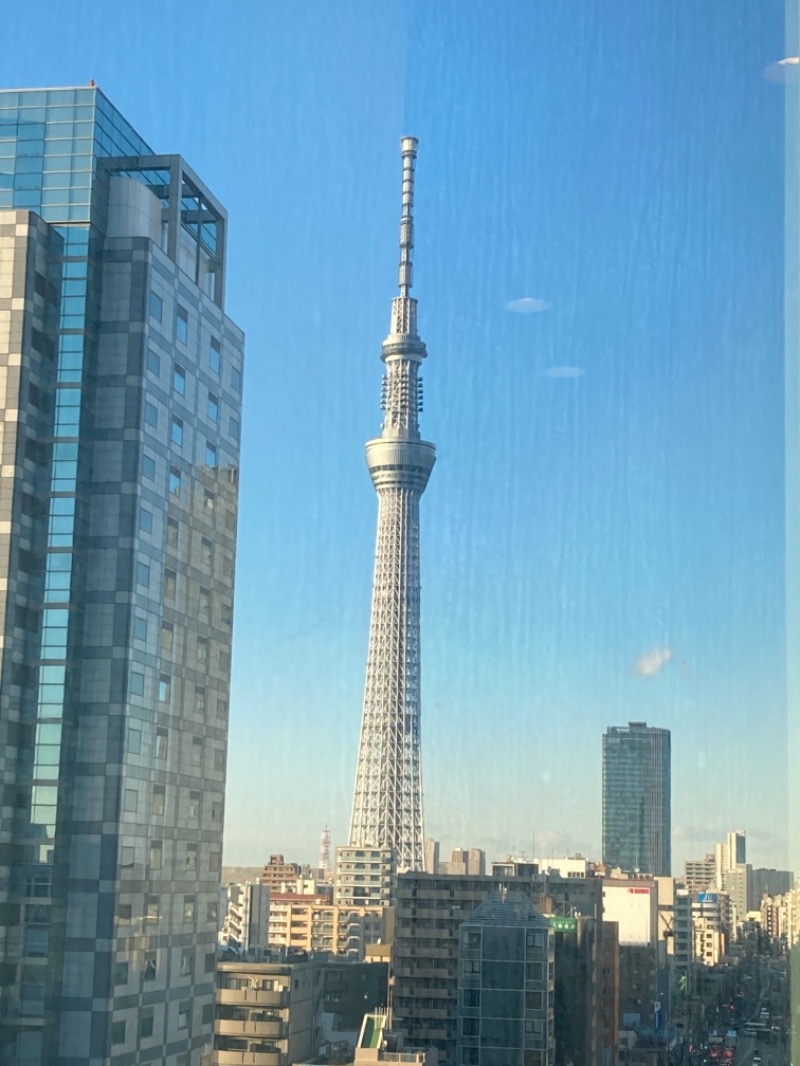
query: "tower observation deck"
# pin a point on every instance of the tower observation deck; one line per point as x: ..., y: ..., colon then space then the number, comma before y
x: 387, y: 803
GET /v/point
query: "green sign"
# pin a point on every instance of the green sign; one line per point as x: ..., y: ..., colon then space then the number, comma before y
x: 563, y: 925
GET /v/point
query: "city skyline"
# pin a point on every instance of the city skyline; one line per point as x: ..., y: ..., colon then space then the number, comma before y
x: 627, y: 564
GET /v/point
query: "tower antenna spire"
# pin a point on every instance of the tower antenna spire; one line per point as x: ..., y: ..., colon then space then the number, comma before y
x: 408, y: 150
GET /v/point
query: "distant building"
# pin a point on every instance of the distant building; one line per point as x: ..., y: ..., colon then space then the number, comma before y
x: 708, y: 928
x: 464, y: 862
x: 572, y: 866
x: 633, y: 904
x: 577, y: 1004
x: 431, y: 856
x: 728, y: 854
x: 700, y: 875
x: 636, y: 798
x: 364, y: 877
x: 769, y: 883
x: 608, y: 953
x: 245, y: 926
x: 506, y: 966
x: 278, y: 872
x: 267, y: 1014
x: 314, y: 924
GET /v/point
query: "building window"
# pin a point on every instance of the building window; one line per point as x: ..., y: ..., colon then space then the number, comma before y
x: 156, y: 306
x: 159, y: 799
x: 213, y: 355
x: 153, y: 362
x: 118, y: 1033
x: 202, y: 650
x: 213, y: 407
x: 145, y: 520
x: 222, y: 709
x: 176, y: 433
x: 236, y: 379
x: 189, y: 906
x: 150, y: 965
x: 182, y: 325
x: 148, y: 467
x: 187, y: 962
x: 208, y: 501
x: 174, y: 482
x: 137, y: 683
x: 212, y: 913
x: 134, y: 740
x: 162, y: 743
x: 197, y: 751
x: 173, y: 531
x: 120, y: 973
x: 156, y: 854
x: 208, y: 1014
x: 191, y: 857
x: 143, y: 575
x: 150, y: 414
x: 205, y: 604
x: 207, y: 552
x: 211, y: 454
x: 199, y: 699
x: 169, y: 584
x: 146, y: 1025
x: 184, y: 1015
x: 194, y: 806
x: 167, y: 637
x: 163, y: 688
x: 234, y: 428
x: 139, y: 628
x: 219, y: 759
x: 179, y: 380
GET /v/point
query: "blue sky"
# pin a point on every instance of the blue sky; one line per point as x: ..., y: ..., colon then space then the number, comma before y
x: 623, y: 162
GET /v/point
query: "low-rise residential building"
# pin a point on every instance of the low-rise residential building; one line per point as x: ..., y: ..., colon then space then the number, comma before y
x: 314, y: 924
x: 267, y: 1014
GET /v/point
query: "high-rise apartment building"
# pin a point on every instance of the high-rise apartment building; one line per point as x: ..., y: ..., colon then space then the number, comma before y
x: 506, y: 965
x: 636, y: 799
x: 121, y: 386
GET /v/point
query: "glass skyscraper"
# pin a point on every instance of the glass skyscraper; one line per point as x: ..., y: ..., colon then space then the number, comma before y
x: 119, y: 430
x: 636, y: 798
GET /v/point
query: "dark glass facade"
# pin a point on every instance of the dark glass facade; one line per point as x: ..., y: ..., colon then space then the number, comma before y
x: 636, y: 799
x: 117, y: 549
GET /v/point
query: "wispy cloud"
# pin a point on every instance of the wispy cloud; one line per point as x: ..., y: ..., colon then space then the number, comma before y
x: 649, y: 664
x: 527, y: 305
x: 784, y: 71
x: 564, y: 372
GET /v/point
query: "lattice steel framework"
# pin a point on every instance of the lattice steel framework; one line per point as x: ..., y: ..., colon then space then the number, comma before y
x: 387, y: 804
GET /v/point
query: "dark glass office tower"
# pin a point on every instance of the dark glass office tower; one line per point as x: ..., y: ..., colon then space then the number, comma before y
x: 636, y: 798
x: 120, y: 397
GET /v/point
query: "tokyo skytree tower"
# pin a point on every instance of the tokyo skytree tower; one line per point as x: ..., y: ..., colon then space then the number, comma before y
x: 387, y: 804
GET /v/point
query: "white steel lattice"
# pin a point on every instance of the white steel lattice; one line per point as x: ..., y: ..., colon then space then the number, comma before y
x: 387, y: 804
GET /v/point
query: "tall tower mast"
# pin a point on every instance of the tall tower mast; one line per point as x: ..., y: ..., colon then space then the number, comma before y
x: 387, y: 804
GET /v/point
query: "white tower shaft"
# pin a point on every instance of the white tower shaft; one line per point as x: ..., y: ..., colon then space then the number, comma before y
x: 387, y: 804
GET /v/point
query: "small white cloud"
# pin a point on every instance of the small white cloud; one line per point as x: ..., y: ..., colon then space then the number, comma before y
x: 564, y: 372
x: 527, y: 305
x: 649, y: 664
x: 784, y: 71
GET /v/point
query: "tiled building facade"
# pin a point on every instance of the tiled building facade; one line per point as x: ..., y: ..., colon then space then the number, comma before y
x: 119, y: 492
